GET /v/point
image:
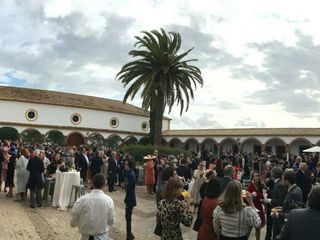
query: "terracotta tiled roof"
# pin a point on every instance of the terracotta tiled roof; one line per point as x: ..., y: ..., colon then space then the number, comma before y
x: 68, y: 99
x: 245, y: 132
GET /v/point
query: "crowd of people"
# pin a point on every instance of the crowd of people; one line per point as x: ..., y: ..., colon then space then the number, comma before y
x: 234, y: 194
x: 223, y: 198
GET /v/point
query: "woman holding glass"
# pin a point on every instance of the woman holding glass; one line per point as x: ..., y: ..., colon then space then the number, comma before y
x: 174, y: 209
x: 232, y: 219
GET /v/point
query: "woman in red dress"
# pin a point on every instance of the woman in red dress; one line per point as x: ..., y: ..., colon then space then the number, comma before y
x: 149, y: 178
x: 209, y: 203
x: 256, y: 189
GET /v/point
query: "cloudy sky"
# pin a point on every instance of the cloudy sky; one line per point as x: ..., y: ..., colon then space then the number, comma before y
x: 260, y: 60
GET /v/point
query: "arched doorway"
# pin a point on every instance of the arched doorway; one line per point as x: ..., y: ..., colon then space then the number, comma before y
x: 145, y: 140
x: 175, y: 143
x: 113, y: 141
x: 229, y: 146
x: 275, y: 146
x: 95, y: 140
x: 56, y: 137
x: 251, y: 145
x: 31, y: 136
x: 75, y: 139
x: 298, y: 145
x: 192, y: 145
x: 130, y: 140
x: 210, y: 145
x: 9, y: 133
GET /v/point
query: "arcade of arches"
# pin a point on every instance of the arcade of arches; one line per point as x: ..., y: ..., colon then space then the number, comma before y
x: 226, y: 145
x: 249, y: 145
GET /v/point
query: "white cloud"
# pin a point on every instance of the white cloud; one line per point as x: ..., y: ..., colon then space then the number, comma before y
x: 258, y: 58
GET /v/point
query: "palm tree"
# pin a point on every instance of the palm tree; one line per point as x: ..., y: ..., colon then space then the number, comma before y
x: 162, y: 75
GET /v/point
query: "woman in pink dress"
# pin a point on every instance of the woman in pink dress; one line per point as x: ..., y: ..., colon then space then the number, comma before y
x: 256, y: 189
x: 149, y: 178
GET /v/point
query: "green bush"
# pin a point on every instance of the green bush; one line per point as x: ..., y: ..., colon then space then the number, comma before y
x: 139, y: 151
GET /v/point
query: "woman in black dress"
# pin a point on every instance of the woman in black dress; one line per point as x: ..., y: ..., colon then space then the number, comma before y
x: 10, y: 173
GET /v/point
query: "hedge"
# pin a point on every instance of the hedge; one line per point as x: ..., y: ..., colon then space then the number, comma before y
x: 139, y: 151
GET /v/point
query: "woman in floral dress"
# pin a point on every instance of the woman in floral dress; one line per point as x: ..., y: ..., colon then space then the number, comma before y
x: 173, y: 210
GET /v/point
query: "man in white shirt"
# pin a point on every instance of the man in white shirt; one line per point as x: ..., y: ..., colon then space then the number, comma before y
x: 93, y: 213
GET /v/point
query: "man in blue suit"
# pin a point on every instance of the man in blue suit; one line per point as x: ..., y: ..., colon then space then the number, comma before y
x: 130, y: 199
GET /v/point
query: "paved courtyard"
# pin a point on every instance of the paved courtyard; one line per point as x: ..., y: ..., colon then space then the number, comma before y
x: 18, y: 221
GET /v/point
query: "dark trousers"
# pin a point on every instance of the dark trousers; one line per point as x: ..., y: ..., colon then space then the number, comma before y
x: 269, y: 223
x: 111, y: 181
x: 233, y: 238
x: 154, y: 188
x: 276, y: 226
x: 35, y: 196
x: 83, y: 175
x: 129, y: 210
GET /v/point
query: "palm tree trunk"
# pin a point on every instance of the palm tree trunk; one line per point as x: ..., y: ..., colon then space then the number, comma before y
x: 156, y: 115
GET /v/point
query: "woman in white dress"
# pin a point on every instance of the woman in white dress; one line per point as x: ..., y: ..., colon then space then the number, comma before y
x: 22, y: 173
x: 198, y: 178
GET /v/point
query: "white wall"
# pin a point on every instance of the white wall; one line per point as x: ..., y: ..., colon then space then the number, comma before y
x: 60, y: 116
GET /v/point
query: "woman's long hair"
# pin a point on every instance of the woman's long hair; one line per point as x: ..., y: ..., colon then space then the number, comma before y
x: 259, y: 184
x: 232, y: 202
x: 171, y: 191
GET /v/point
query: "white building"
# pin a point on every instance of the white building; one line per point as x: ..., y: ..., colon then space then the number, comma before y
x: 80, y: 117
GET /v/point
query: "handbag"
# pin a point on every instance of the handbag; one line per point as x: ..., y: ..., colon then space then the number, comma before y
x: 197, y: 223
x: 158, y: 229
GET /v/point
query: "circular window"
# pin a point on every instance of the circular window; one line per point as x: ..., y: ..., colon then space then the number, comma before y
x: 114, y: 122
x: 31, y: 115
x: 75, y: 118
x: 145, y: 126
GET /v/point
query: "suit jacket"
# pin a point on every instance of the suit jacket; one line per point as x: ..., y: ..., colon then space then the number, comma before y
x: 130, y: 180
x: 83, y: 164
x: 301, y: 224
x: 224, y: 182
x: 184, y: 171
x: 293, y: 199
x: 112, y: 165
x: 96, y: 163
x: 36, y: 168
x: 278, y: 194
x: 304, y: 182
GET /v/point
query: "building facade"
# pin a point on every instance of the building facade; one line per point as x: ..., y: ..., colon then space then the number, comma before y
x: 82, y: 118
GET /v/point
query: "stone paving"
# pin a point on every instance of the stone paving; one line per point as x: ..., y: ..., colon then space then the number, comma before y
x: 18, y: 221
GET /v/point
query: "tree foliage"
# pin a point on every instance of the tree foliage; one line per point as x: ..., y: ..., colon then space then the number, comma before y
x: 9, y: 133
x: 139, y: 151
x: 56, y: 137
x: 161, y: 74
x: 31, y: 136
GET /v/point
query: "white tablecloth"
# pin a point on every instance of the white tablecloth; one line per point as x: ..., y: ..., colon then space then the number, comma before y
x: 62, y: 188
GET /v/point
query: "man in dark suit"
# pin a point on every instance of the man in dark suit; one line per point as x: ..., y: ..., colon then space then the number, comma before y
x: 112, y: 171
x: 36, y: 180
x: 276, y: 199
x: 304, y: 223
x: 83, y: 164
x: 303, y: 180
x: 293, y: 198
x: 96, y: 163
x: 228, y: 173
x: 130, y: 199
x: 184, y: 171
